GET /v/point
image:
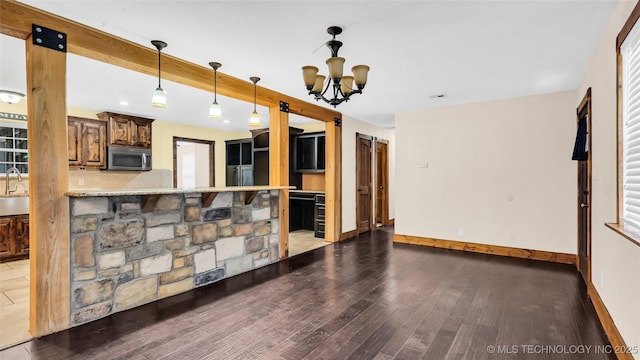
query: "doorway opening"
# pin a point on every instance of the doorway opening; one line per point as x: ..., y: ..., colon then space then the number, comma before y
x: 382, y: 183
x: 584, y: 191
x: 193, y: 163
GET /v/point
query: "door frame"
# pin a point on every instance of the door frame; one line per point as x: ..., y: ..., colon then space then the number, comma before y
x: 212, y: 145
x: 385, y: 181
x: 584, y: 108
x: 371, y: 204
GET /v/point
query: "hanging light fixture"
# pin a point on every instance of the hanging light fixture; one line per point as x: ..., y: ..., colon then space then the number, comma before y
x: 214, y: 111
x: 159, y: 98
x: 254, y: 121
x: 11, y: 97
x: 342, y: 85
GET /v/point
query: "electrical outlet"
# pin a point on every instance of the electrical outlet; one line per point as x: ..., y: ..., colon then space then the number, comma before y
x: 461, y: 232
x: 424, y: 165
x: 81, y: 181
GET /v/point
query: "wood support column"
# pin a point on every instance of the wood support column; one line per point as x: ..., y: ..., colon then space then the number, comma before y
x: 48, y: 181
x: 279, y: 169
x: 333, y: 181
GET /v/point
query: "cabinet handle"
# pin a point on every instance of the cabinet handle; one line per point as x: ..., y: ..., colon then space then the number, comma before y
x: 144, y: 161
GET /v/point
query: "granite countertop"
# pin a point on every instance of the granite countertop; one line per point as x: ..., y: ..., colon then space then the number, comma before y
x: 308, y: 191
x: 164, y: 191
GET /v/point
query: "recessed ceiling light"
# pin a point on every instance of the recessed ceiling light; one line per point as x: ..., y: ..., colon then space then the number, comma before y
x: 439, y: 96
x: 226, y: 121
x: 124, y: 103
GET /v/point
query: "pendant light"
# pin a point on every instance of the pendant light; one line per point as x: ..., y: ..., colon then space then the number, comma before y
x: 159, y: 98
x: 254, y: 121
x: 214, y: 111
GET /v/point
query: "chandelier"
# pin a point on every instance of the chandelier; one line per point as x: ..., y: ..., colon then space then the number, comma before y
x: 342, y: 86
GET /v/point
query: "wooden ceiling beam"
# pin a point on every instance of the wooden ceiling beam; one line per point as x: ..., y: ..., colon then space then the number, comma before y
x: 16, y: 20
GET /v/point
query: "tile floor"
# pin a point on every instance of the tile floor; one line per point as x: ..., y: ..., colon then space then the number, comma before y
x: 14, y: 303
x: 303, y: 240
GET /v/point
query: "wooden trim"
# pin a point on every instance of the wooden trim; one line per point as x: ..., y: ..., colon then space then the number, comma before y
x: 212, y: 166
x: 619, y: 228
x: 279, y: 169
x: 49, y: 301
x: 392, y: 222
x: 349, y: 234
x: 85, y: 41
x: 540, y: 255
x: 384, y: 216
x: 333, y: 182
x: 628, y: 26
x: 584, y: 108
x: 616, y: 340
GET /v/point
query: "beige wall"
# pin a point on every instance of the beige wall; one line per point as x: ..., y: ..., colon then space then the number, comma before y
x: 501, y: 171
x: 615, y: 260
x: 351, y: 126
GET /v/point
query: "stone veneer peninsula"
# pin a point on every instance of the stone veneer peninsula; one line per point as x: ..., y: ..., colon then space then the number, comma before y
x: 133, y: 247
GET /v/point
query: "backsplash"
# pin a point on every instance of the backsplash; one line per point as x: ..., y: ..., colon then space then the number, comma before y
x: 115, y: 180
x: 20, y: 187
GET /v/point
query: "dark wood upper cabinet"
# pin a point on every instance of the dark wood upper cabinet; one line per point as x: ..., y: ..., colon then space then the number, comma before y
x: 309, y: 153
x: 87, y: 142
x: 127, y: 130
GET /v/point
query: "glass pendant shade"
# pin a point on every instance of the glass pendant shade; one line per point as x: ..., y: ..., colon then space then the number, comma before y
x: 159, y: 98
x: 317, y: 87
x: 346, y: 85
x: 335, y: 67
x: 360, y: 75
x: 254, y: 121
x: 215, y: 112
x: 309, y: 75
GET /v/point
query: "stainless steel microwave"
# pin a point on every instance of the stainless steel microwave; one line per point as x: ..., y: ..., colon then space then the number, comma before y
x: 128, y: 158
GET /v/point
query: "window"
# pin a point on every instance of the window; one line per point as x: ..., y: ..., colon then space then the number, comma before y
x: 13, y: 147
x: 628, y: 51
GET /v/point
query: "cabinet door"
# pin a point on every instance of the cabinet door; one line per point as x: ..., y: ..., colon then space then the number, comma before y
x: 7, y: 245
x: 74, y: 137
x: 233, y: 153
x: 119, y: 131
x: 22, y: 234
x: 94, y: 147
x: 141, y: 133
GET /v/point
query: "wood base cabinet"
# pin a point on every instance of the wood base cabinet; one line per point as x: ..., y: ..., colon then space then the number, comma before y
x: 14, y: 237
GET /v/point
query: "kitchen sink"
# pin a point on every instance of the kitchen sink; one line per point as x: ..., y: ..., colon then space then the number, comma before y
x: 14, y: 205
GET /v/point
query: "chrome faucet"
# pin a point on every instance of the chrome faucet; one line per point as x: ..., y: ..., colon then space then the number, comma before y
x: 9, y: 171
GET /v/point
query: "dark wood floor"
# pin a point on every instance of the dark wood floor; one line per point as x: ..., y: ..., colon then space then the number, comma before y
x: 361, y: 299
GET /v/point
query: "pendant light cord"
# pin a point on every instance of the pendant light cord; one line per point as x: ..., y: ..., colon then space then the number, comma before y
x: 159, y: 65
x: 215, y: 85
x: 254, y: 97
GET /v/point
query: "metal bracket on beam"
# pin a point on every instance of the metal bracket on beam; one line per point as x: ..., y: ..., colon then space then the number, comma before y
x: 338, y: 122
x: 284, y: 107
x: 48, y: 38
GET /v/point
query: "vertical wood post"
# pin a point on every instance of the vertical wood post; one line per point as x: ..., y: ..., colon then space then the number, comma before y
x: 48, y: 180
x: 279, y: 169
x: 333, y: 181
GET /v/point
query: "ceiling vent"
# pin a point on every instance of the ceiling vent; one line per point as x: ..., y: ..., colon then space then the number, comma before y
x: 438, y: 96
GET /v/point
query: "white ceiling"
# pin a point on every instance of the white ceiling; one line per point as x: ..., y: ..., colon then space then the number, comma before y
x: 471, y: 50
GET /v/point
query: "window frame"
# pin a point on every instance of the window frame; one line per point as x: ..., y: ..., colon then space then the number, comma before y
x: 15, y: 125
x: 622, y: 36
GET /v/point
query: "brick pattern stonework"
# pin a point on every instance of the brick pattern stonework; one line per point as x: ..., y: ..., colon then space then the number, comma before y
x: 122, y: 257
